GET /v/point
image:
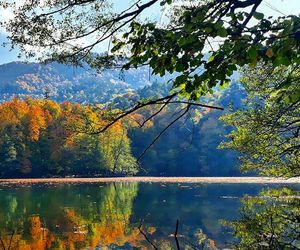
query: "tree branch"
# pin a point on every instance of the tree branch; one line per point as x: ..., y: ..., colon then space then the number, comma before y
x: 156, y: 113
x: 135, y: 108
x: 195, y: 104
x: 175, y: 235
x: 145, y: 236
x: 163, y: 131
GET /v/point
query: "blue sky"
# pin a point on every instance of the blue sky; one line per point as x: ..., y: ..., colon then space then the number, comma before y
x: 269, y: 7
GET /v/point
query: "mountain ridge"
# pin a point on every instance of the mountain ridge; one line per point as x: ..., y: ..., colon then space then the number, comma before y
x: 63, y: 82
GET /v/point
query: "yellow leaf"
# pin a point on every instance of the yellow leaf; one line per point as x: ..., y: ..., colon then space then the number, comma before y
x: 270, y: 53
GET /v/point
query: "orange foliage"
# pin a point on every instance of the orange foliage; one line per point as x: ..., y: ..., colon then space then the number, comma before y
x: 36, y: 227
x: 58, y: 129
x: 112, y: 231
x: 137, y: 120
x: 37, y: 122
x: 40, y: 238
x: 151, y: 230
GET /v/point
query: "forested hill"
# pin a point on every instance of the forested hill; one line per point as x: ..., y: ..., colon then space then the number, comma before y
x: 62, y: 82
x: 188, y: 148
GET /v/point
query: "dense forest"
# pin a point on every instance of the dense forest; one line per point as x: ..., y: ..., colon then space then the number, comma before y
x: 193, y: 141
x: 42, y: 138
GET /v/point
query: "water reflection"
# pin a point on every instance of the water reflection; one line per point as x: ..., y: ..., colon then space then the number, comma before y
x: 270, y: 220
x: 134, y: 216
x: 68, y: 217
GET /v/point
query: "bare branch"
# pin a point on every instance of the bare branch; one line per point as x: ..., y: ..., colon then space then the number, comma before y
x: 132, y: 110
x: 10, y: 240
x: 156, y: 113
x: 196, y: 104
x: 145, y: 236
x: 163, y: 131
x: 175, y: 235
x: 120, y: 17
x: 2, y: 243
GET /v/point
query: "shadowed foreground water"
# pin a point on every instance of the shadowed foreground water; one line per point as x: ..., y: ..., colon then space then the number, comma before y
x: 119, y: 215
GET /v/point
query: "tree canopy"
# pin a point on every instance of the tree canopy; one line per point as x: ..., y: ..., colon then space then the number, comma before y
x: 42, y: 137
x: 267, y: 130
x: 204, y: 42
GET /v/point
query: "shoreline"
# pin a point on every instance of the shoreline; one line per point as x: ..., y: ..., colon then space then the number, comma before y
x: 241, y: 180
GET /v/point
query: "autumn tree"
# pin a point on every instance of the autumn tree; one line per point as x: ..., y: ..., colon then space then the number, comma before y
x: 42, y: 137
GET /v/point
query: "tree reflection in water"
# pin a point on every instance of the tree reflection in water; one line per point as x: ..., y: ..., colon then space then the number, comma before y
x: 83, y: 223
x: 68, y: 217
x: 270, y: 220
x: 109, y: 217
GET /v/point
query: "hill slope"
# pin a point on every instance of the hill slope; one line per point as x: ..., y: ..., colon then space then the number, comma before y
x: 63, y: 82
x: 187, y: 149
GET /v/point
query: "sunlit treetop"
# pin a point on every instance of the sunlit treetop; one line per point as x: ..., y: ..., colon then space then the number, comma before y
x: 203, y: 41
x: 42, y: 136
x: 267, y: 131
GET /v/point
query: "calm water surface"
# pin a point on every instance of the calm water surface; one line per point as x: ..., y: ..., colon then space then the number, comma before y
x: 119, y: 215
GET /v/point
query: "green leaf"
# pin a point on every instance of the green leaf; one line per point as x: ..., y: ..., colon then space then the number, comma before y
x: 222, y: 32
x: 224, y: 84
x: 218, y: 25
x: 281, y: 60
x: 180, y: 80
x: 208, y: 30
x: 252, y: 53
x: 179, y: 67
x: 258, y: 15
x: 240, y: 16
x: 232, y: 67
x: 212, y: 57
x: 292, y: 98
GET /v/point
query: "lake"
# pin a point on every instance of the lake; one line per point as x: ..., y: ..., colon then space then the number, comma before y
x: 120, y: 215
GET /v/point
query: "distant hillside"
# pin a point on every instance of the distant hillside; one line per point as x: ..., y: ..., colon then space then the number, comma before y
x: 82, y: 85
x: 189, y: 148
